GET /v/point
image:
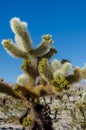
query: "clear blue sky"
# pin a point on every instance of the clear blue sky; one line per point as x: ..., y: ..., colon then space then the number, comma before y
x: 64, y: 19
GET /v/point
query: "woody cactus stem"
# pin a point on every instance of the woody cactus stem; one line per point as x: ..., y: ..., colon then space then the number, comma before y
x: 7, y: 89
x: 22, y: 91
x: 42, y: 123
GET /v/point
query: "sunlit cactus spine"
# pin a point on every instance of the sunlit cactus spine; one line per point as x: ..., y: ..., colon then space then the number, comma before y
x: 62, y: 70
x: 56, y: 65
x: 26, y: 80
x: 13, y: 50
x: 21, y: 34
x: 65, y: 68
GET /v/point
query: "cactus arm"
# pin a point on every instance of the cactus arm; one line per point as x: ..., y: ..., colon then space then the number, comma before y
x: 64, y: 60
x: 43, y: 48
x: 26, y: 81
x: 75, y: 77
x: 51, y: 52
x: 45, y: 69
x: 30, y: 71
x: 20, y: 29
x: 56, y: 65
x: 22, y: 91
x: 7, y: 89
x: 28, y: 68
x: 13, y: 49
x: 65, y: 69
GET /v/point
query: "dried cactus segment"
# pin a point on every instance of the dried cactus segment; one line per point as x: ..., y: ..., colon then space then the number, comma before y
x: 83, y: 72
x: 77, y: 71
x: 43, y: 91
x: 7, y: 89
x: 73, y: 78
x: 22, y: 91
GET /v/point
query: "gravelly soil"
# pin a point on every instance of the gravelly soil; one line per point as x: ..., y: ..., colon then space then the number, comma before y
x: 66, y: 104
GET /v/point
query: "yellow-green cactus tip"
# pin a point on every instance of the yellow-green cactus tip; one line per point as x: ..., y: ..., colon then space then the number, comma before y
x: 7, y: 42
x: 42, y: 63
x: 36, y: 100
x: 46, y: 37
x: 28, y: 121
x: 25, y: 61
x: 16, y: 86
x: 50, y: 41
x: 23, y: 67
x: 44, y: 60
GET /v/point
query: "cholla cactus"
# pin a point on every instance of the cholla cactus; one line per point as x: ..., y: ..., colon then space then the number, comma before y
x: 22, y: 37
x: 24, y: 43
x: 36, y: 65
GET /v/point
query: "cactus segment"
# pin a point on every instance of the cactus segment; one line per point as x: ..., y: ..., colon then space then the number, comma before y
x: 43, y: 48
x: 13, y: 50
x: 20, y: 29
x: 45, y: 69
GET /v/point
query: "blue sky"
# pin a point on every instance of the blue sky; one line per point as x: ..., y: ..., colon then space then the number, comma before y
x: 65, y: 20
